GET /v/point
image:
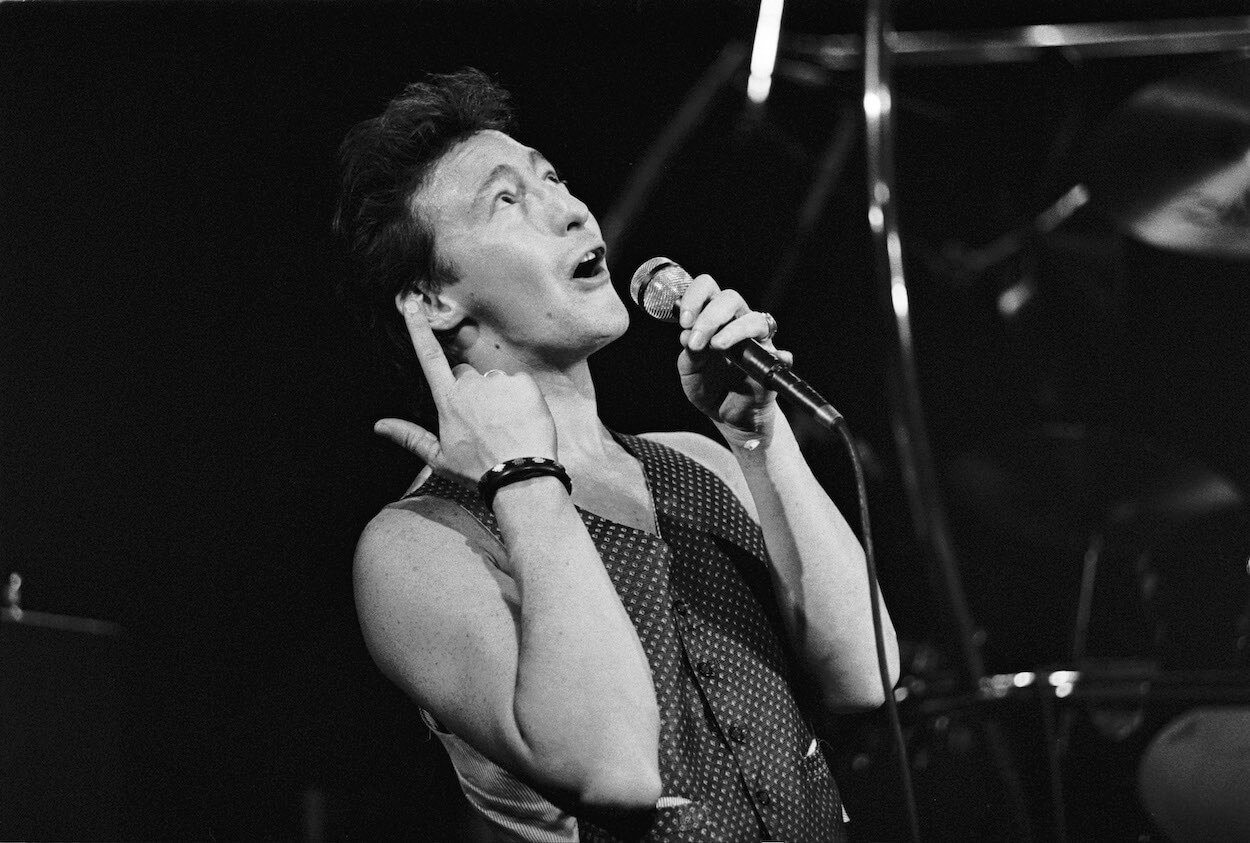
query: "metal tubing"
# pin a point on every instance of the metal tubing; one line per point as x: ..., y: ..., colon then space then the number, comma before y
x: 1028, y: 43
x: 907, y: 416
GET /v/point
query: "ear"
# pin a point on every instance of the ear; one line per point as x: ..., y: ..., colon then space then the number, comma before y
x: 443, y: 312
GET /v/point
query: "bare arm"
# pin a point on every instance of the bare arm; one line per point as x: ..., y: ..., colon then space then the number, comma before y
x: 818, y: 564
x: 555, y: 686
x: 819, y: 570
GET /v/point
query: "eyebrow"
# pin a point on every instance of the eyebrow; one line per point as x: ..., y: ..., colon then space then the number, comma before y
x: 499, y: 170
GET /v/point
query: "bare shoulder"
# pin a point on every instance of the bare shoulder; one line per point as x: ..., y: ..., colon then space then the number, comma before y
x: 425, y: 571
x: 713, y: 456
x: 425, y: 531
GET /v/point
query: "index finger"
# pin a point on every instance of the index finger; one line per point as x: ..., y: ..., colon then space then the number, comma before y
x: 697, y: 294
x: 429, y: 353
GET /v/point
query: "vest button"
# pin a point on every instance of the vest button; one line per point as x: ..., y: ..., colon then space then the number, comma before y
x: 706, y: 669
x: 763, y: 797
x: 737, y: 734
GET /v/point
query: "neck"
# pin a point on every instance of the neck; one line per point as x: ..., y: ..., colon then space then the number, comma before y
x: 582, y: 437
x: 570, y: 394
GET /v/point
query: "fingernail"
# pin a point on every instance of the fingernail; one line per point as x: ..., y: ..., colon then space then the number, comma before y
x: 410, y: 307
x: 696, y: 340
x: 379, y: 427
x: 685, y: 318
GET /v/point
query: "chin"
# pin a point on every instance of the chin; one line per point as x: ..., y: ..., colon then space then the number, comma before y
x: 609, y: 325
x: 616, y: 321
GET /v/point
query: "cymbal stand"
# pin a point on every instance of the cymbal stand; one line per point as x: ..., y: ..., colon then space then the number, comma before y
x: 928, y: 515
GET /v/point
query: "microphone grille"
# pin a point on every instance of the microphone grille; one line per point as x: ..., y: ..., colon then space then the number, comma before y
x: 657, y: 287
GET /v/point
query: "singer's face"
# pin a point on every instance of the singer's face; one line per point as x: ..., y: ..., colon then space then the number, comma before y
x: 529, y: 255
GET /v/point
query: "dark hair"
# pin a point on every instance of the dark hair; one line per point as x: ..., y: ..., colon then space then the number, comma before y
x: 384, y: 162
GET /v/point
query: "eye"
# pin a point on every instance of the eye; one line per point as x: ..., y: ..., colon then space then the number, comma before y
x: 505, y: 197
x: 554, y: 177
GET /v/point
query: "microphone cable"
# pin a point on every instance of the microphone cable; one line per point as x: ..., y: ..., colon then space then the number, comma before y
x: 878, y: 632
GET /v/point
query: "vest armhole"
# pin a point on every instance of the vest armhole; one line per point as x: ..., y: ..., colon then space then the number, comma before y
x: 432, y: 722
x: 451, y: 513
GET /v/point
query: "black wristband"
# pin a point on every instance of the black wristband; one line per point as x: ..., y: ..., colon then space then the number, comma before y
x: 516, y: 470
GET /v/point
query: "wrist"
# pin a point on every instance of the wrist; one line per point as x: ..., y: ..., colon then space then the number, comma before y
x: 529, y: 493
x: 518, y: 470
x: 533, y: 515
x: 757, y: 433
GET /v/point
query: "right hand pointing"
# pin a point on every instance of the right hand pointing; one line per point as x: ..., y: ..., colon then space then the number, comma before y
x: 482, y: 420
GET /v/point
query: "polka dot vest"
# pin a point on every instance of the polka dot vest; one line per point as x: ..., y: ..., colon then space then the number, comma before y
x: 737, y: 759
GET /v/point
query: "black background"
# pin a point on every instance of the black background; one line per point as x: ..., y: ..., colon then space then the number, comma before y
x: 185, y: 410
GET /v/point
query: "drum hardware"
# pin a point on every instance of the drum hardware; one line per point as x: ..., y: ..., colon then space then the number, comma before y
x: 1184, y: 492
x: 1192, y: 777
x: 1120, y: 702
x: 12, y: 612
x: 840, y: 52
x: 1143, y: 521
x: 1059, y: 484
x: 1172, y: 165
x: 931, y: 530
x: 1122, y: 683
x: 1171, y: 168
x: 63, y: 722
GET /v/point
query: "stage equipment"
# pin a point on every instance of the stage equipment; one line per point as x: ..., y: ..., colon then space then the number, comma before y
x: 1172, y: 165
x: 881, y: 45
x: 62, y: 705
x: 1159, y: 615
x: 1112, y: 39
x: 1151, y: 534
x: 817, y: 60
x: 1096, y: 739
x: 764, y: 51
x: 1194, y: 773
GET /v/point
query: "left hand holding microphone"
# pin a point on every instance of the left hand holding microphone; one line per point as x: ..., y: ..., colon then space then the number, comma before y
x: 713, y: 320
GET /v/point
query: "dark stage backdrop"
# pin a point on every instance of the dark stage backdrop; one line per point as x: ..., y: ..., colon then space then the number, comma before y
x: 185, y: 411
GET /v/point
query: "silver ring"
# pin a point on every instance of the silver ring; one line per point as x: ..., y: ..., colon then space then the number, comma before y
x: 772, y: 325
x: 487, y: 374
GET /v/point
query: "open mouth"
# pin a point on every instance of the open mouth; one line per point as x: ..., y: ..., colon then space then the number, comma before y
x: 590, y: 264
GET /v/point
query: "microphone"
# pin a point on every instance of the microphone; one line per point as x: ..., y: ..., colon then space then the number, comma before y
x: 657, y: 287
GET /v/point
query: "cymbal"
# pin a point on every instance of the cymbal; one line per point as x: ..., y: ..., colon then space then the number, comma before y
x: 1172, y: 164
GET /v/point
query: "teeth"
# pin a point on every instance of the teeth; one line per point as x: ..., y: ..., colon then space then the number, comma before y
x: 589, y: 265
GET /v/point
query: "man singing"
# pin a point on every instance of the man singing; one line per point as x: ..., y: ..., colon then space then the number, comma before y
x: 605, y: 631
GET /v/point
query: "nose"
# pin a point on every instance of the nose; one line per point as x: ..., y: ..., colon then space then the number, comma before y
x: 578, y: 214
x: 568, y: 213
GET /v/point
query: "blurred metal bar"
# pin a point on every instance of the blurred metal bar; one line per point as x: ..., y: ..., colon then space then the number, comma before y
x: 832, y: 163
x: 60, y: 623
x: 646, y: 175
x: 1027, y: 43
x: 907, y: 415
x: 1002, y: 690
